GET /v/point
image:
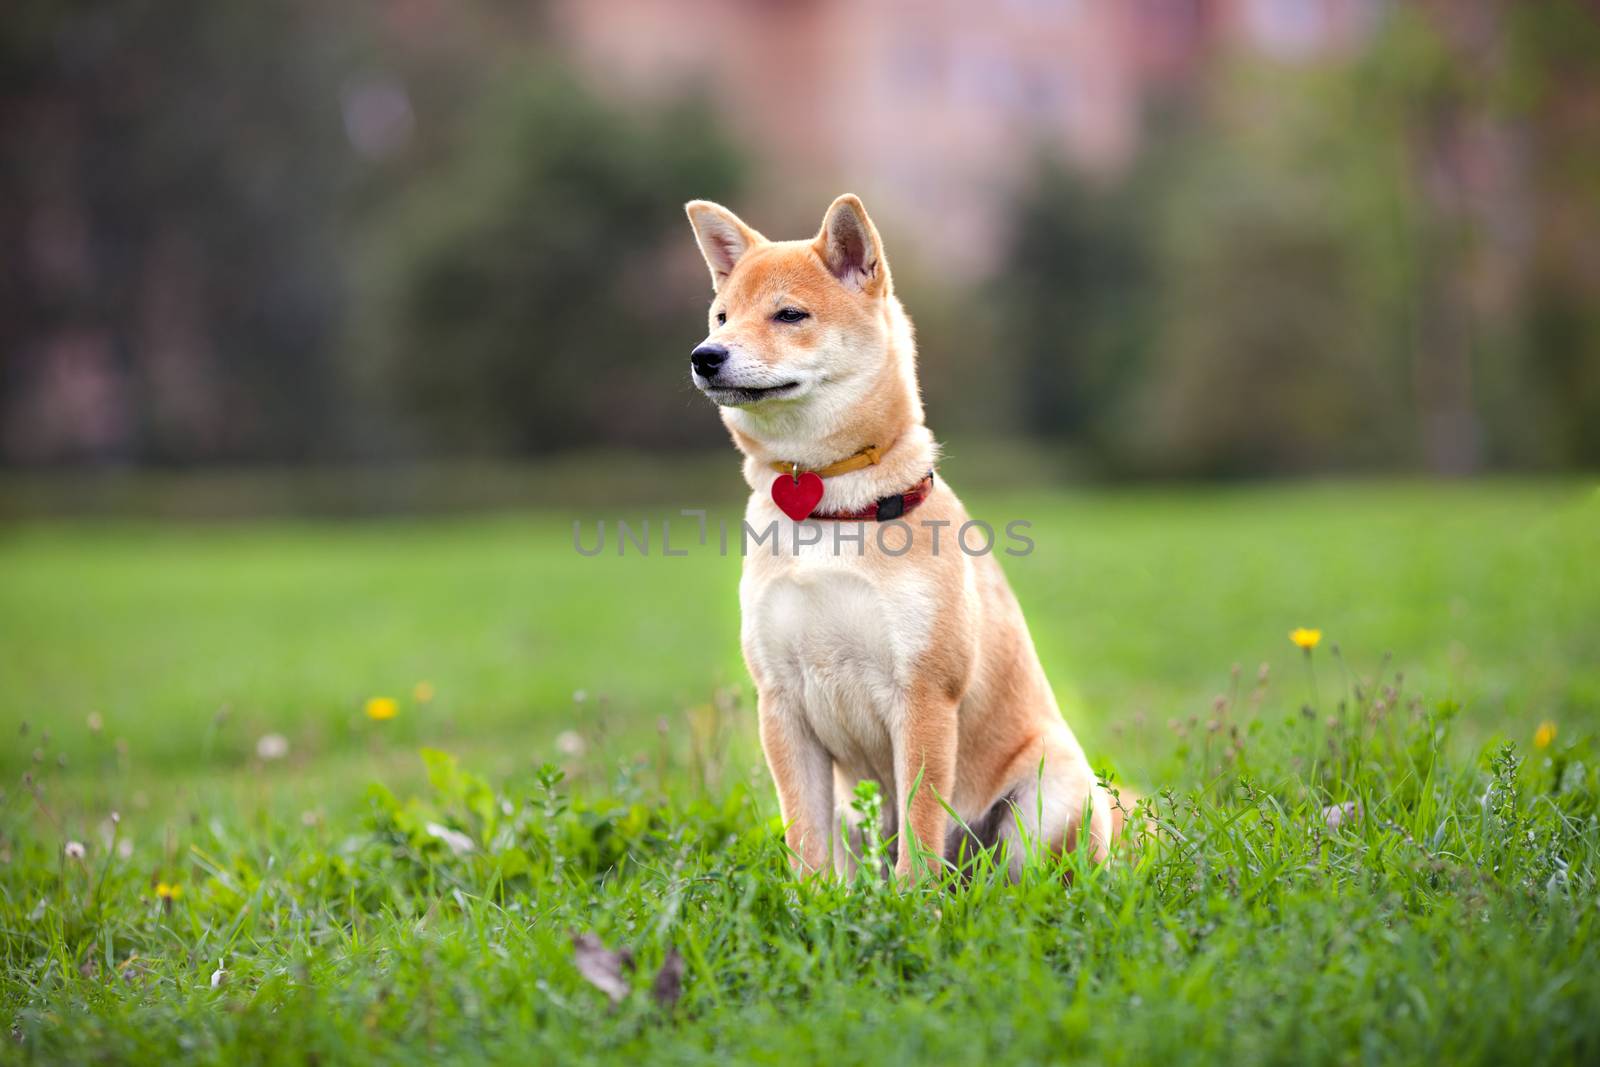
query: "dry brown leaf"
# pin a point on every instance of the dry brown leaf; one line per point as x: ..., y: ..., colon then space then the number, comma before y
x: 601, y: 967
x: 668, y: 985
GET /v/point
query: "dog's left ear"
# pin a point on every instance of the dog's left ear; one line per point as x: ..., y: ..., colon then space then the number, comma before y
x: 850, y: 247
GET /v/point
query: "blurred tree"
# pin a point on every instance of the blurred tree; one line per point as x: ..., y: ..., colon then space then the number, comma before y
x: 1497, y: 105
x: 215, y: 212
x: 1549, y: 83
x: 214, y: 206
x: 516, y: 293
x: 167, y: 183
x: 1077, y: 297
x: 1369, y: 260
x: 1289, y: 255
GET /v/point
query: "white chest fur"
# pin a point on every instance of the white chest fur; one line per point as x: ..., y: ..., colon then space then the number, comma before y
x: 835, y: 638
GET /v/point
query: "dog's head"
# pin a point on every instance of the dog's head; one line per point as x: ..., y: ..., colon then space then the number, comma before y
x: 796, y: 326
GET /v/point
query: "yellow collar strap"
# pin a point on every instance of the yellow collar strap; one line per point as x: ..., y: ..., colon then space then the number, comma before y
x: 867, y: 457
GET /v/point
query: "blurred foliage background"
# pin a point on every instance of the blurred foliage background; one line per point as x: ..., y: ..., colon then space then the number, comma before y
x: 1171, y: 238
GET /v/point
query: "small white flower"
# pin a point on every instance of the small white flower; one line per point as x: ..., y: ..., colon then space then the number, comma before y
x: 96, y: 722
x: 458, y: 843
x: 272, y: 746
x: 218, y: 976
x: 125, y: 849
x: 580, y: 695
x: 74, y: 850
x: 1336, y: 815
x: 571, y: 743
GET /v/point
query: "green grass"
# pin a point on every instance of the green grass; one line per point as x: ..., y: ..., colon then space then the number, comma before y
x: 1453, y: 920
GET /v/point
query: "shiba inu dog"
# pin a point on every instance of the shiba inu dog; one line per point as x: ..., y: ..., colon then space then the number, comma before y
x: 900, y: 658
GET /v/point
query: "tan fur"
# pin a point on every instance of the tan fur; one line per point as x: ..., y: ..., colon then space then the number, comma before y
x: 875, y: 666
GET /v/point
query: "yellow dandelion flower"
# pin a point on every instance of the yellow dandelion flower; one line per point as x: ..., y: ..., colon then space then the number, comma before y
x: 381, y: 709
x: 1545, y: 734
x: 1304, y: 638
x: 422, y: 692
x: 168, y: 891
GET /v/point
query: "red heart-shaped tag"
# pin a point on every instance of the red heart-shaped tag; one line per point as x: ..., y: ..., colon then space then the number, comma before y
x: 796, y: 497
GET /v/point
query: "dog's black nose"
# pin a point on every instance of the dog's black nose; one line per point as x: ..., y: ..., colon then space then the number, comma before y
x: 708, y: 359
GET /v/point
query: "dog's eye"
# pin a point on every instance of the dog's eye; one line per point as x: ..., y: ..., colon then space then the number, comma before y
x: 722, y: 318
x: 791, y: 315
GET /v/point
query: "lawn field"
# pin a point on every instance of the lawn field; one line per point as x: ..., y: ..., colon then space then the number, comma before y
x: 1384, y: 852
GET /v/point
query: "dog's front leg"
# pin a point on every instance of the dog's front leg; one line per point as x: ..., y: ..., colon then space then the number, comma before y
x: 925, y: 776
x: 803, y: 772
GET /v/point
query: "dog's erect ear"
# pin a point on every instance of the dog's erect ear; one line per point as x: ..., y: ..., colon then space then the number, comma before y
x: 849, y: 245
x: 723, y: 237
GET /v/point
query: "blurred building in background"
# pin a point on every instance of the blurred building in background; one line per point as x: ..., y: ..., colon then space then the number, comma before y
x: 1166, y: 237
x: 936, y: 110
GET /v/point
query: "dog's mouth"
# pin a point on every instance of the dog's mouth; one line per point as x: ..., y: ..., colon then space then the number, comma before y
x: 740, y: 395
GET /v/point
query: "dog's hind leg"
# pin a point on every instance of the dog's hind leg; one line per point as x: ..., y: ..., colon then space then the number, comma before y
x: 1052, y: 792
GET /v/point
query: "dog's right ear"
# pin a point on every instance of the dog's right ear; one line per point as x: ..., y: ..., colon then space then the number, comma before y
x: 723, y: 237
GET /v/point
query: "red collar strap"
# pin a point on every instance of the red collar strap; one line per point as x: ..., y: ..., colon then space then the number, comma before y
x: 885, y: 508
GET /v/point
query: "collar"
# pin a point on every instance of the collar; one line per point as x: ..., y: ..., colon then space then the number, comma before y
x: 881, y: 510
x: 885, y: 508
x: 867, y: 457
